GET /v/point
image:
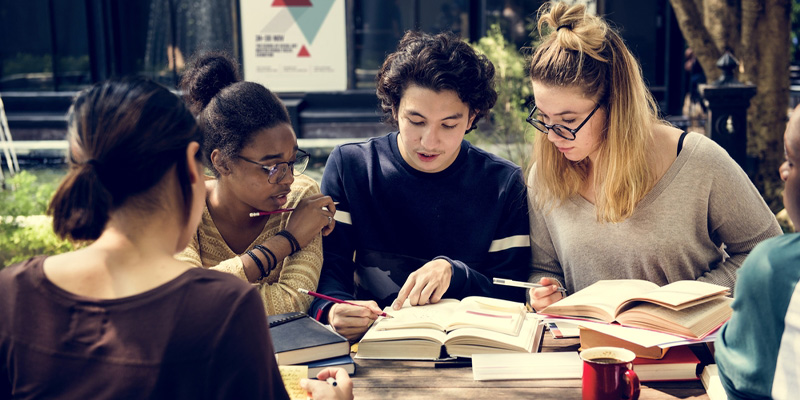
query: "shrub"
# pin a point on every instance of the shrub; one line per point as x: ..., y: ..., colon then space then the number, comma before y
x: 24, y: 230
x: 506, y: 133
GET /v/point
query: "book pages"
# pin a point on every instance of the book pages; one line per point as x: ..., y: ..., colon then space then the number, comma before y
x: 682, y: 294
x: 450, y: 314
x: 561, y: 365
x: 600, y: 300
x: 696, y: 321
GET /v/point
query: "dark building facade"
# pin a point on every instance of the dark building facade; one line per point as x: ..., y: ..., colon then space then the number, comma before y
x: 52, y: 48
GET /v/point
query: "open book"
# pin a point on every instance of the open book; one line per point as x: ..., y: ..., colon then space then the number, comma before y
x: 451, y: 328
x: 690, y: 309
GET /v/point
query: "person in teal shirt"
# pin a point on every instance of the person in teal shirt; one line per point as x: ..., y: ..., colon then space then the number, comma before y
x: 758, y: 350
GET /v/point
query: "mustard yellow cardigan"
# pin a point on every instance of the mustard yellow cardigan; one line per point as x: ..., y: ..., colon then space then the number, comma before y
x: 207, y: 249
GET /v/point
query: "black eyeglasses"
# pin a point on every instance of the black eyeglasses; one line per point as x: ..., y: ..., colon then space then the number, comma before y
x: 559, y: 130
x: 276, y: 173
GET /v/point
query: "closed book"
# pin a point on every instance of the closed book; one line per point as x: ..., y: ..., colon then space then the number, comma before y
x: 679, y: 364
x: 345, y: 362
x: 592, y: 338
x: 299, y: 339
x: 712, y: 383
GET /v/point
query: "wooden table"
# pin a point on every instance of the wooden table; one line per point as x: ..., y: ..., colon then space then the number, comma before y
x: 383, y: 379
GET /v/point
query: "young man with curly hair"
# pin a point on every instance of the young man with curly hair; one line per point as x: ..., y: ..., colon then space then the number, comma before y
x: 423, y: 214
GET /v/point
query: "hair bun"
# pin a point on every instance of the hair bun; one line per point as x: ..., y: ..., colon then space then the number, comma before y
x: 206, y: 76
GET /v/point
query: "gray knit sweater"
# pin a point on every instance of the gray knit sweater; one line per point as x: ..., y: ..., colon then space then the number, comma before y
x: 698, y: 222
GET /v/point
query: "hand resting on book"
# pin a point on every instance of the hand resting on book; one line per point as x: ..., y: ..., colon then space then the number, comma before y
x: 352, y: 321
x: 425, y: 285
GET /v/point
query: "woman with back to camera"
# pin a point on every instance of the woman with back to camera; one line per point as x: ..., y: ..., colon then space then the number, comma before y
x: 252, y: 151
x: 121, y: 318
x: 615, y: 192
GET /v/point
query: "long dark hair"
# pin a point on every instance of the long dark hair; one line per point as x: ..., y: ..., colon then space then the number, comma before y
x: 229, y: 110
x: 125, y: 135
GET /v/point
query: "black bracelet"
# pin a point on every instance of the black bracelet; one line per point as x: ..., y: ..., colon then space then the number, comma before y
x: 258, y: 263
x: 269, y: 255
x: 292, y: 241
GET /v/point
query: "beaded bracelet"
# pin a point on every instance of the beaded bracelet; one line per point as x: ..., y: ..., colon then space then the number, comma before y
x: 292, y: 241
x: 269, y: 255
x: 258, y: 263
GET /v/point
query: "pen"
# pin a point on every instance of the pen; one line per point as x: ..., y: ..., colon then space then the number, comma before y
x: 335, y: 300
x: 262, y: 213
x: 331, y: 381
x: 509, y: 282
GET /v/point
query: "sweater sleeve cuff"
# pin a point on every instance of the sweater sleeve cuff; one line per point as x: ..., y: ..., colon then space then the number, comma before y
x: 323, y: 309
x: 459, y: 277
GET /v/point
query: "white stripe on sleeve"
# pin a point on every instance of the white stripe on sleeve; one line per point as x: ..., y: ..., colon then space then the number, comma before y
x: 509, y: 242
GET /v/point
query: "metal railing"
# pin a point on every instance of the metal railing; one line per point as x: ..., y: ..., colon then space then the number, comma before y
x: 6, y: 142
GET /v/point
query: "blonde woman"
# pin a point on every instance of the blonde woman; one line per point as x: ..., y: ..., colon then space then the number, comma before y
x: 614, y: 192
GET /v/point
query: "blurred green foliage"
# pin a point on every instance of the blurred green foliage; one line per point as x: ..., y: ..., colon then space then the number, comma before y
x: 24, y: 230
x: 506, y: 133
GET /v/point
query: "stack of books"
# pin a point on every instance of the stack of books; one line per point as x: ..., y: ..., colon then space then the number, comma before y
x: 452, y: 328
x: 659, y: 324
x: 299, y: 339
x: 690, y: 309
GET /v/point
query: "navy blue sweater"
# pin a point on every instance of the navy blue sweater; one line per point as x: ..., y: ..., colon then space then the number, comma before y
x: 391, y: 219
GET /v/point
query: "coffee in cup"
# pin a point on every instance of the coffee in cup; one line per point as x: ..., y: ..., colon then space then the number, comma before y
x: 608, y: 374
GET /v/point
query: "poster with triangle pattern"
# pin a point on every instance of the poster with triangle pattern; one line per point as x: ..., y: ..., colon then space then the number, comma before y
x: 294, y: 45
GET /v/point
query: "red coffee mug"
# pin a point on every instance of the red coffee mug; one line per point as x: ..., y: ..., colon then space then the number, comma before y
x: 608, y: 374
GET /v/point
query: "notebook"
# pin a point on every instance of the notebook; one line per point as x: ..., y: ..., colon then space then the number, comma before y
x: 558, y: 365
x: 299, y: 339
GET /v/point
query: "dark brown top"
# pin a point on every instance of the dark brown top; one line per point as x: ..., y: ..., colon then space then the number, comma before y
x: 202, y: 335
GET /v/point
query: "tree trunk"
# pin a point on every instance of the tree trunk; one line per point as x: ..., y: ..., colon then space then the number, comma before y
x: 767, y: 66
x: 722, y: 21
x: 697, y: 36
x: 757, y: 32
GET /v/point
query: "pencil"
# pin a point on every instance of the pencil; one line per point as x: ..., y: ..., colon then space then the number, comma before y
x: 509, y: 282
x: 262, y: 213
x: 278, y: 211
x: 335, y: 300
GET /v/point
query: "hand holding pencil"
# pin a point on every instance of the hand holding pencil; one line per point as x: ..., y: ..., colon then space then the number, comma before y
x: 331, y: 383
x: 547, y: 294
x: 351, y: 318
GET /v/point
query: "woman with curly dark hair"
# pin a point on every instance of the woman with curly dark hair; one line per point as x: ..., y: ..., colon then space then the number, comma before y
x: 252, y: 151
x: 426, y: 214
